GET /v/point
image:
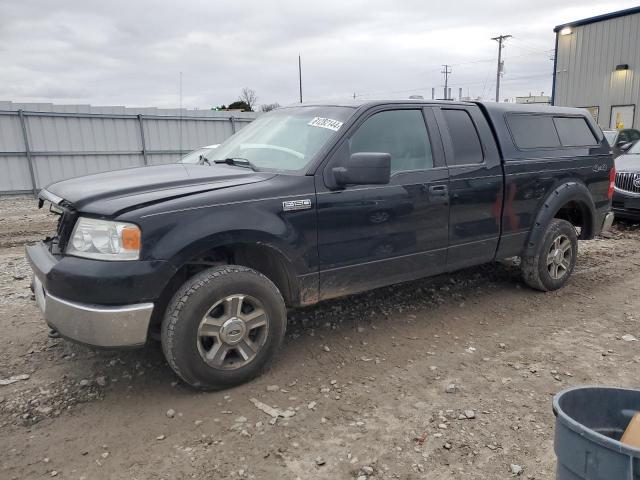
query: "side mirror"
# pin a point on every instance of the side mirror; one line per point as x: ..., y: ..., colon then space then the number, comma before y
x: 364, y: 168
x: 624, y: 146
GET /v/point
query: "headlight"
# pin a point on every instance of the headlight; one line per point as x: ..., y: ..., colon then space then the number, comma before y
x: 104, y: 240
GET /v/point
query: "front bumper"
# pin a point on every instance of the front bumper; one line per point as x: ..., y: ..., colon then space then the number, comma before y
x: 105, y: 304
x: 97, y: 325
x: 626, y: 204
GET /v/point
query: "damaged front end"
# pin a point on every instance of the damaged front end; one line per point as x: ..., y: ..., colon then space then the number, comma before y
x: 67, y: 217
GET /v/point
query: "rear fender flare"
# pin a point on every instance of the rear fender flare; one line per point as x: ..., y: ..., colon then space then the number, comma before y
x: 560, y: 196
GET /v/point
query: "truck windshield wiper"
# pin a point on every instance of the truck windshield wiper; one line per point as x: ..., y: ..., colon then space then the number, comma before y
x: 203, y: 160
x: 238, y: 162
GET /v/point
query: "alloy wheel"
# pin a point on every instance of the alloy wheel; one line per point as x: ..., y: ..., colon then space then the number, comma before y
x: 232, y: 332
x: 559, y: 257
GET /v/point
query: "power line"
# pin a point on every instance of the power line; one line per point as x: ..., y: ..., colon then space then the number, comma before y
x: 525, y: 45
x: 500, y: 39
x: 493, y: 59
x: 463, y: 84
x: 484, y: 86
x: 485, y: 60
x: 507, y: 80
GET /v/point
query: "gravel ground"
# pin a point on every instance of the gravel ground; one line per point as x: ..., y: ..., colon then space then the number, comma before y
x: 450, y: 377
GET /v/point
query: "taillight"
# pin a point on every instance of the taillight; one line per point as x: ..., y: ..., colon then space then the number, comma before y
x: 612, y: 182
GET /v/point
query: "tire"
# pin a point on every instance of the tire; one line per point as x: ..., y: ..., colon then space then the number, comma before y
x: 223, y: 327
x: 552, y: 264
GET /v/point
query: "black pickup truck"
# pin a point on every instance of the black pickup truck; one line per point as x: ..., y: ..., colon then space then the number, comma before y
x: 308, y: 203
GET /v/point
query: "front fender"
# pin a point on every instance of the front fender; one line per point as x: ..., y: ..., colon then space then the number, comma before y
x: 181, y: 236
x: 567, y: 192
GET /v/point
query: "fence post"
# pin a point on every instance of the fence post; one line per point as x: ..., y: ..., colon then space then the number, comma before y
x: 25, y: 137
x: 233, y: 124
x: 142, y: 139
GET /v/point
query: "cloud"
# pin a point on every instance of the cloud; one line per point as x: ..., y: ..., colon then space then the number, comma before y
x: 130, y: 53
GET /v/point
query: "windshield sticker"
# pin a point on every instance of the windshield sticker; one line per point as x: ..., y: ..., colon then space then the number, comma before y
x: 325, y: 123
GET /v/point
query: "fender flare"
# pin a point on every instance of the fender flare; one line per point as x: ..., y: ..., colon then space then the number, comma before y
x: 560, y: 196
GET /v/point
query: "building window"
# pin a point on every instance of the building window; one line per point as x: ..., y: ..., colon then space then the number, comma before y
x: 595, y: 112
x: 622, y: 116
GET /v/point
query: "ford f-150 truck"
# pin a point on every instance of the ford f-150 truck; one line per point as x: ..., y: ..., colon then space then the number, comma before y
x: 308, y: 203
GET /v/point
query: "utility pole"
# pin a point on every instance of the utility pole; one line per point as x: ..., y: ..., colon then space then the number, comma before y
x: 446, y: 71
x: 300, y: 76
x: 500, y: 39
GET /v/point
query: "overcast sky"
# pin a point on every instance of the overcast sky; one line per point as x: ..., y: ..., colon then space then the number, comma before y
x: 131, y: 52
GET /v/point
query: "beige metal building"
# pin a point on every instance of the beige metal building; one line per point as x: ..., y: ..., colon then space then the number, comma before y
x: 597, y: 66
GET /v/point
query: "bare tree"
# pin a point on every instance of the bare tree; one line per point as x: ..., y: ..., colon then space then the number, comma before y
x: 248, y: 96
x: 267, y: 107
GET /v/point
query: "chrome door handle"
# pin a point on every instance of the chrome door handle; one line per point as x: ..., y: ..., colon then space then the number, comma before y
x: 438, y: 190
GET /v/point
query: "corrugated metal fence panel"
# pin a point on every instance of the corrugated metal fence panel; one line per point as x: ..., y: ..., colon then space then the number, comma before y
x: 241, y: 124
x: 81, y: 134
x: 14, y: 171
x: 11, y: 139
x: 184, y: 134
x: 14, y: 174
x: 49, y: 169
x: 71, y: 140
x: 163, y: 158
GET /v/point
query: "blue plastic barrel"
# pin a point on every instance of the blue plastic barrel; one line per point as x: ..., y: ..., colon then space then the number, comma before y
x: 589, y: 424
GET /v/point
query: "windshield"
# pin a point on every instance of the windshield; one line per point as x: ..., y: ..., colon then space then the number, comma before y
x: 194, y: 157
x: 610, y: 136
x: 285, y: 139
x: 635, y: 149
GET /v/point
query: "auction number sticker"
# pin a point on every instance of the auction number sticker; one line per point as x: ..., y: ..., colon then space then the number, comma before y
x: 325, y: 123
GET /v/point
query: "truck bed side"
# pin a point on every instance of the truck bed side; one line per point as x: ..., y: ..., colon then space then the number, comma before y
x: 532, y: 177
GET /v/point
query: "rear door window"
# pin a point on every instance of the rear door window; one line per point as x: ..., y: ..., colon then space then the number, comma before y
x: 467, y: 149
x: 574, y: 132
x: 533, y: 131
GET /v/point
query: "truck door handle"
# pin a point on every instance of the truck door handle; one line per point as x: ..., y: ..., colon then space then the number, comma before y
x: 438, y: 190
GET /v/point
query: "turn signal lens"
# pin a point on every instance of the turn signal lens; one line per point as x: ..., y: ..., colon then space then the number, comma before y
x: 131, y: 238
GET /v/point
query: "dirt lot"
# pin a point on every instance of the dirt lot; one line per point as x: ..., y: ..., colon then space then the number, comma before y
x: 366, y: 376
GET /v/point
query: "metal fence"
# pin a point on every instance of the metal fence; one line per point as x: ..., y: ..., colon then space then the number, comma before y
x: 44, y: 143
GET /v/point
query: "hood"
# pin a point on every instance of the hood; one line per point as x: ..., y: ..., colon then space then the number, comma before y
x: 629, y: 163
x: 113, y: 192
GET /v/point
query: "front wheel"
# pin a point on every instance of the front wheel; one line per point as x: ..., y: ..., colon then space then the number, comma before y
x: 551, y: 266
x: 223, y: 327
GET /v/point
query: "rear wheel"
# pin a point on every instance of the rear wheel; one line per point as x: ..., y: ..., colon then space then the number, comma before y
x: 551, y: 266
x: 223, y: 327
